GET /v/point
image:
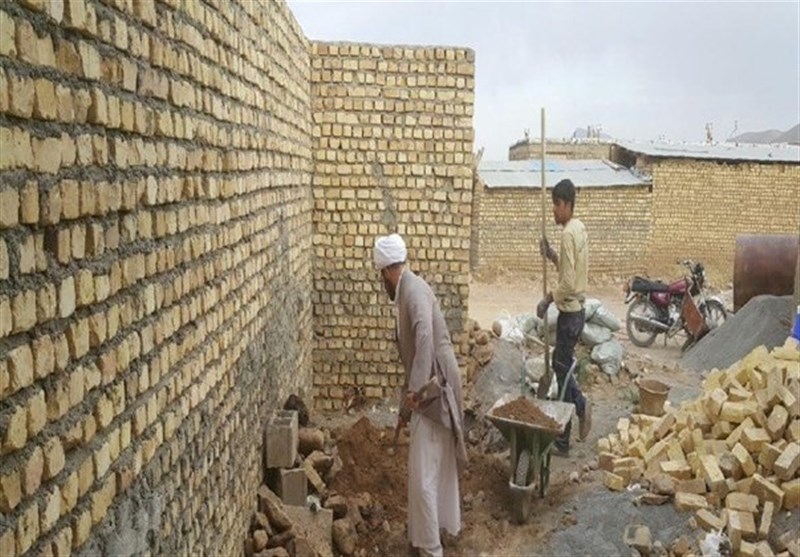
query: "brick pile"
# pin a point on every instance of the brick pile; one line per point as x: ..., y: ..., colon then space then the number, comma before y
x: 155, y: 266
x: 393, y: 153
x: 731, y: 456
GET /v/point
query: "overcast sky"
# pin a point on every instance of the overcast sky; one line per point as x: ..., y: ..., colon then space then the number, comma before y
x: 641, y: 70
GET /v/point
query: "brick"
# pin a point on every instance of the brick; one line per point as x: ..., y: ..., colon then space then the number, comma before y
x: 84, y: 287
x: 737, y: 412
x: 791, y: 490
x: 27, y: 528
x: 34, y: 469
x: 69, y: 492
x: 10, y: 490
x: 37, y: 413
x: 754, y: 438
x: 27, y: 257
x: 741, y: 502
x: 29, y: 203
x: 714, y: 401
x: 20, y: 96
x: 46, y: 154
x: 66, y: 297
x: 792, y: 433
x: 678, y: 470
x: 53, y: 457
x: 9, y: 208
x: 765, y: 522
x: 15, y: 430
x: 7, y: 536
x: 765, y: 490
x: 281, y: 439
x: 98, y: 111
x: 44, y: 356
x: 81, y: 521
x: 5, y: 264
x: 23, y: 308
x: 20, y: 367
x: 768, y: 455
x: 788, y: 463
x: 690, y: 501
x: 8, y: 33
x: 708, y: 521
x: 102, y: 460
x: 741, y: 526
x: 44, y: 106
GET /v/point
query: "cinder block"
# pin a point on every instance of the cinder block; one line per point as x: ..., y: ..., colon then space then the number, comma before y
x: 290, y: 484
x: 280, y: 439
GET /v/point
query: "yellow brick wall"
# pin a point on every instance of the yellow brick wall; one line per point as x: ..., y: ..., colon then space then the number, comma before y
x: 155, y: 267
x: 700, y: 206
x: 393, y: 153
x: 554, y: 150
x: 508, y: 227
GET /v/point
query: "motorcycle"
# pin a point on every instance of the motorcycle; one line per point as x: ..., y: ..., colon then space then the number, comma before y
x: 683, y: 305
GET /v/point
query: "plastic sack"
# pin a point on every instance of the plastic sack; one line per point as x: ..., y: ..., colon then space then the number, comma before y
x: 590, y: 306
x: 552, y: 318
x: 608, y: 356
x: 593, y: 334
x: 605, y: 317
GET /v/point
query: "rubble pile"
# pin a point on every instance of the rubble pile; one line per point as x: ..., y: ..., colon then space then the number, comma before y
x: 298, y: 513
x: 481, y: 347
x: 731, y: 456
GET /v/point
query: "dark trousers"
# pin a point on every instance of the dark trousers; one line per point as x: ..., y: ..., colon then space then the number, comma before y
x: 568, y: 330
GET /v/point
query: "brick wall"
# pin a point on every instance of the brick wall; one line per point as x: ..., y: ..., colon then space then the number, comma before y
x: 508, y: 228
x: 525, y: 150
x: 393, y: 152
x: 155, y: 267
x: 700, y: 206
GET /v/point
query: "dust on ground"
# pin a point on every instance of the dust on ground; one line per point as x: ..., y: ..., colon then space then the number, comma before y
x: 573, y: 512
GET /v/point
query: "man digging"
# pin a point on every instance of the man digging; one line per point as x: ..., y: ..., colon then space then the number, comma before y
x: 432, y: 401
x: 569, y: 297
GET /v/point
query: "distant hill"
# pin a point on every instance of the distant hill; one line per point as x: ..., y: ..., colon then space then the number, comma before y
x: 769, y: 136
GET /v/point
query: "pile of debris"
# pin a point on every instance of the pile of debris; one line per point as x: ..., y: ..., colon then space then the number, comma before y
x: 481, y: 346
x: 298, y: 514
x: 731, y: 456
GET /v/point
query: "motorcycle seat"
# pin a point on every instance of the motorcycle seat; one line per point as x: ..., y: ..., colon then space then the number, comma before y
x: 641, y: 284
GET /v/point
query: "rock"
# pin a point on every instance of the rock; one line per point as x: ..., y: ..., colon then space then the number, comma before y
x: 321, y: 462
x: 482, y: 337
x: 484, y: 354
x: 314, y: 526
x: 275, y: 552
x: 309, y: 440
x: 314, y: 478
x: 272, y: 506
x: 654, y: 499
x: 574, y: 477
x: 294, y: 402
x: 260, y: 539
x: 280, y: 540
x: 638, y: 537
x: 261, y: 522
x: 497, y: 329
x: 658, y: 549
x: 344, y: 536
x: 302, y: 548
x: 681, y: 546
x: 338, y: 505
x: 364, y: 503
x: 534, y: 369
x: 663, y: 485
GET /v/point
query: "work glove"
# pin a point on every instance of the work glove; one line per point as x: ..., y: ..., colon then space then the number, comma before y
x: 541, y: 307
x: 546, y: 251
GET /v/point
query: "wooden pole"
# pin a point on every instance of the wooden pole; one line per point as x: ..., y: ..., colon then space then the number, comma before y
x: 544, y: 385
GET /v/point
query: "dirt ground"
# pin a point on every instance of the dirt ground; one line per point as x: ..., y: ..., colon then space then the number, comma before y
x: 555, y: 526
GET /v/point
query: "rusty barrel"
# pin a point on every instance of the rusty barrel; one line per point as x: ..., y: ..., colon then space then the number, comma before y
x: 764, y: 264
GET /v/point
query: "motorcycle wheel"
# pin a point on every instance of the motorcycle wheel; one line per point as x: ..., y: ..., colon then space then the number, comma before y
x: 641, y: 335
x: 715, y: 314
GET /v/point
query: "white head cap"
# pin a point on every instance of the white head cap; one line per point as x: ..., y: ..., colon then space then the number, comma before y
x: 389, y: 250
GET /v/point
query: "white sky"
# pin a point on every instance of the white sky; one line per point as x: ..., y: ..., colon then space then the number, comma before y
x: 640, y: 69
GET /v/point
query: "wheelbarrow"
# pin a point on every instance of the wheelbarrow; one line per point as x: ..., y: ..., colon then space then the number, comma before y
x: 530, y: 450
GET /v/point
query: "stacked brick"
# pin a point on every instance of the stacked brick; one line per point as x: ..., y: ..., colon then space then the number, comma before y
x: 393, y: 153
x: 155, y: 170
x: 732, y: 456
x: 508, y: 227
x: 699, y: 207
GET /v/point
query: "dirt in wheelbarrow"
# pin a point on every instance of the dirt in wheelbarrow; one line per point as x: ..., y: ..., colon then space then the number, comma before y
x: 523, y: 410
x: 376, y: 476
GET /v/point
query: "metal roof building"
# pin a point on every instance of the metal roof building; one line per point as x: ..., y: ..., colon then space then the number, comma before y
x: 583, y: 173
x: 780, y: 153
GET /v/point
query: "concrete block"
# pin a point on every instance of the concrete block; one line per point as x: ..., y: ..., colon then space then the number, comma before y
x: 280, y: 439
x: 316, y: 527
x: 291, y: 485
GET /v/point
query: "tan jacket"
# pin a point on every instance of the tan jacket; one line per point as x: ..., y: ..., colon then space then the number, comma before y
x: 425, y: 349
x: 573, y: 267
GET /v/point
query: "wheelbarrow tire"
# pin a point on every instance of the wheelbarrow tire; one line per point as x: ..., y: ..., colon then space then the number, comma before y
x: 523, y: 465
x: 544, y: 473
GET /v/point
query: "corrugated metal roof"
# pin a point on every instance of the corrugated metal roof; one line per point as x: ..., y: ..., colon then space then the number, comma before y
x: 717, y: 151
x: 583, y: 173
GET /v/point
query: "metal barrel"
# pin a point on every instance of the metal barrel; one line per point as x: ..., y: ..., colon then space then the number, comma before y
x: 764, y: 264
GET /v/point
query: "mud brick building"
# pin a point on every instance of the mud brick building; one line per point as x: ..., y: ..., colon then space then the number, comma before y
x: 189, y: 192
x: 584, y: 149
x: 613, y: 202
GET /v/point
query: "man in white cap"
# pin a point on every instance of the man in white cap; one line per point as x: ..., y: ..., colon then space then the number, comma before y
x: 432, y: 392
